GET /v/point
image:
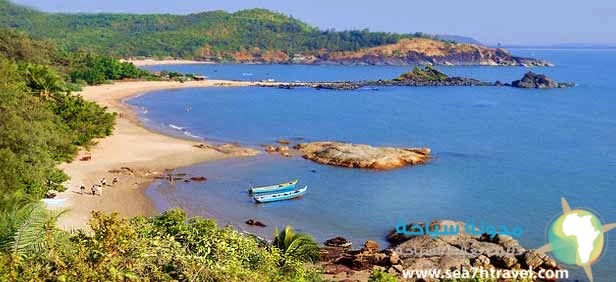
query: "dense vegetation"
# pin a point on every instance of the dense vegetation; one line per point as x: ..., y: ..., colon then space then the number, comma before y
x: 169, y: 247
x: 214, y: 34
x: 43, y: 124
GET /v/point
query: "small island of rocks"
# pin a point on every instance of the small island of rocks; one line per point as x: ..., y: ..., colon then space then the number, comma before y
x: 428, y: 76
x: 533, y: 80
x: 363, y: 156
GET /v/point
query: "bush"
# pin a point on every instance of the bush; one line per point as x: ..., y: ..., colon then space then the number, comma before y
x: 381, y: 276
x: 95, y: 70
x: 164, y: 248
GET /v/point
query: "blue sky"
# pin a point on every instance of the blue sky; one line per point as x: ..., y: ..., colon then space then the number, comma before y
x: 490, y: 21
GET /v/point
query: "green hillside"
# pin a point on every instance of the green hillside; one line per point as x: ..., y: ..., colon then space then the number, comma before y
x: 208, y: 34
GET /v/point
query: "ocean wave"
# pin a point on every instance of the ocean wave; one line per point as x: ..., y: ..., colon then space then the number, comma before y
x: 190, y: 134
x: 176, y: 127
x: 184, y: 130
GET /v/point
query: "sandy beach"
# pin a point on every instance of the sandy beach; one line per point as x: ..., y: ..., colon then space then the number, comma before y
x: 153, y: 62
x: 140, y: 155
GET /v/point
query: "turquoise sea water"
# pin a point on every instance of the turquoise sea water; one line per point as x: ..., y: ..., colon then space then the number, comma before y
x: 501, y: 155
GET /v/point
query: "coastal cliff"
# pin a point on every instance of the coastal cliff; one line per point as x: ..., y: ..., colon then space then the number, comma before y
x: 429, y: 51
x: 408, y: 51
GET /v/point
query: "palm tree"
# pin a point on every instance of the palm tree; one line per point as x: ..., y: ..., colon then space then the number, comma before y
x: 25, y: 227
x: 43, y: 80
x: 297, y: 246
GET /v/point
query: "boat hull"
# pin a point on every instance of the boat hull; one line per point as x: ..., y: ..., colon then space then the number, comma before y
x: 281, y: 196
x: 274, y: 188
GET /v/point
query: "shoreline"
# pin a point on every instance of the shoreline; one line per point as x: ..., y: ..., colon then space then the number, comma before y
x: 145, y: 152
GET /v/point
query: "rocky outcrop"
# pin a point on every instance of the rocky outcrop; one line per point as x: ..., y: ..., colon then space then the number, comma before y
x: 464, y: 251
x: 409, y: 51
x: 533, y: 80
x: 254, y: 222
x: 339, y: 242
x: 428, y: 76
x: 425, y: 51
x: 445, y: 252
x: 364, y: 259
x: 230, y: 149
x: 283, y: 150
x: 198, y: 179
x: 363, y: 156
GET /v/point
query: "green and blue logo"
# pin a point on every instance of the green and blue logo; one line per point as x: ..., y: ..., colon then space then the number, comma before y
x: 576, y: 237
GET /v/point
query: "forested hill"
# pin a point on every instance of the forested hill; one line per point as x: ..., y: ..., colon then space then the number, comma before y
x: 255, y: 35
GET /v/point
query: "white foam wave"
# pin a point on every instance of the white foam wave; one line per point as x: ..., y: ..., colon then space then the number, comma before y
x: 177, y: 127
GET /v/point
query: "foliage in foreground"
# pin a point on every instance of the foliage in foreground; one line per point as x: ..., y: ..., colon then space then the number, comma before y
x: 295, y: 247
x: 168, y: 247
x: 381, y: 276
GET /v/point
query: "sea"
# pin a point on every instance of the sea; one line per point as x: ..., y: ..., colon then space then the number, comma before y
x: 501, y: 155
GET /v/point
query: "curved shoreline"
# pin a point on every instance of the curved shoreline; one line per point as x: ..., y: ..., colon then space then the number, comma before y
x: 145, y: 151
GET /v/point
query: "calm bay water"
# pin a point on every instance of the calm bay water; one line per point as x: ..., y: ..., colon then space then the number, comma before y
x: 501, y: 155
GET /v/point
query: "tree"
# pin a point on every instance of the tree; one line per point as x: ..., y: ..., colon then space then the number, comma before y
x: 42, y: 80
x: 24, y: 228
x: 296, y: 246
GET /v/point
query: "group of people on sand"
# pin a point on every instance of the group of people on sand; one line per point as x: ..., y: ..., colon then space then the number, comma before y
x: 98, y: 188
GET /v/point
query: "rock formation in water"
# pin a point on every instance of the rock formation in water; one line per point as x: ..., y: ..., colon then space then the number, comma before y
x: 533, y: 80
x: 428, y: 76
x: 362, y: 156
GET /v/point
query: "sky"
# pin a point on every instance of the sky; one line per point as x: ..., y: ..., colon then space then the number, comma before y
x: 525, y: 22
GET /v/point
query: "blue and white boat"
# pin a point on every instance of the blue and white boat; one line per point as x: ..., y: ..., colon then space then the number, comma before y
x: 273, y: 188
x: 288, y: 195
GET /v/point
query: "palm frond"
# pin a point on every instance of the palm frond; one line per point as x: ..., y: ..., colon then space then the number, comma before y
x: 298, y: 246
x: 27, y: 229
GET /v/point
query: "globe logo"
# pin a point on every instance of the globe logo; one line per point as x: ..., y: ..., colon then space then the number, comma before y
x: 576, y: 237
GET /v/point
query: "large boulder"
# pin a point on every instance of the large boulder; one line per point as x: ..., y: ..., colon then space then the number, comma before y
x: 363, y: 156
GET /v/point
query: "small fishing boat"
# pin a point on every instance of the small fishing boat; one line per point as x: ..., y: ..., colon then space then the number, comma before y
x: 273, y: 188
x: 281, y: 196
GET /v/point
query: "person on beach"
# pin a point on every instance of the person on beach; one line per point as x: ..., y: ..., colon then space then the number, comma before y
x: 93, y: 190
x: 114, y: 181
x: 104, y: 181
x: 82, y: 189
